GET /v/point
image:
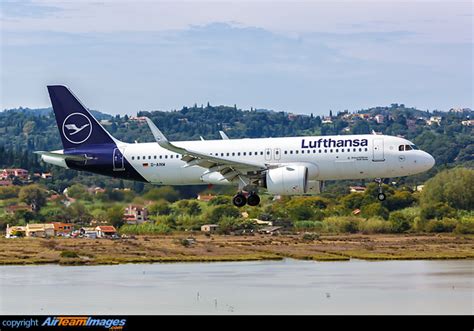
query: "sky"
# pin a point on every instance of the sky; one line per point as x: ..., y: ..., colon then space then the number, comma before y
x: 121, y: 57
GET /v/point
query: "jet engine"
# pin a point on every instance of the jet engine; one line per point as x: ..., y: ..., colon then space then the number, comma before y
x: 291, y: 180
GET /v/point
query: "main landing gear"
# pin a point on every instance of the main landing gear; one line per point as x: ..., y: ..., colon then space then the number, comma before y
x: 252, y: 199
x: 381, y: 196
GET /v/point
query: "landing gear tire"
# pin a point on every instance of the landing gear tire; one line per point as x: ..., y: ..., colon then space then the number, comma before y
x: 381, y: 196
x: 253, y: 199
x: 239, y: 200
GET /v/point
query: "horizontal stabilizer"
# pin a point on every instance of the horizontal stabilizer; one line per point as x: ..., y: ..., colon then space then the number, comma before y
x: 63, y: 156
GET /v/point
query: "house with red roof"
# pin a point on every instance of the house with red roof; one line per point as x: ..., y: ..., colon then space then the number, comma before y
x: 104, y: 231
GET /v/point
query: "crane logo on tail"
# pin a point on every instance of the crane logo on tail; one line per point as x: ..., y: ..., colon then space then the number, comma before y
x: 77, y: 128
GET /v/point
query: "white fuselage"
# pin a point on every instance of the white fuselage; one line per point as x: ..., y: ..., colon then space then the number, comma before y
x: 379, y: 157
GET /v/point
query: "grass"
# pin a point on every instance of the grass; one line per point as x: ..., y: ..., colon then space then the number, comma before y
x: 167, y: 248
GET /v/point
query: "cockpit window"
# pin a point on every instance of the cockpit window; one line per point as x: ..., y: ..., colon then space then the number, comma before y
x: 408, y: 148
x: 414, y: 147
x: 401, y: 148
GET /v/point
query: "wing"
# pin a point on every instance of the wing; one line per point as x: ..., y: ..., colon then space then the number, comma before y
x: 229, y: 169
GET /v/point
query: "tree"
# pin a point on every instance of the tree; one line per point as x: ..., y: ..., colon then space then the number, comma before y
x: 437, y: 210
x: 115, y: 216
x: 161, y: 207
x: 78, y: 213
x: 453, y: 187
x: 33, y: 195
x: 375, y: 209
x: 167, y: 193
x: 399, y: 200
x: 77, y: 191
x: 8, y: 192
x: 223, y: 211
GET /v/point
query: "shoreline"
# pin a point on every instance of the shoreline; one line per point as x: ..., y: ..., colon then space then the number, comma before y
x: 221, y: 248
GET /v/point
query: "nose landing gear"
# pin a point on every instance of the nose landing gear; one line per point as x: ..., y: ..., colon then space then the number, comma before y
x: 381, y: 196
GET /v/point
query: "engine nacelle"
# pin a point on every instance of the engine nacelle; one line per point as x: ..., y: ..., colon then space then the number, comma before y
x: 287, y: 180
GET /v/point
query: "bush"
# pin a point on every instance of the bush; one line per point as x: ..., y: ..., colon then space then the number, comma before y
x: 438, y: 210
x: 308, y: 225
x: 341, y: 224
x: 445, y: 225
x: 69, y: 254
x: 399, y: 222
x: 220, y: 200
x: 145, y: 228
x: 375, y: 225
x: 465, y: 225
x: 310, y: 236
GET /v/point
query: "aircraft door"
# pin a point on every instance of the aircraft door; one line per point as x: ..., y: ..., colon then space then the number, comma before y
x: 268, y: 154
x: 378, y: 152
x: 118, y: 164
x: 276, y: 154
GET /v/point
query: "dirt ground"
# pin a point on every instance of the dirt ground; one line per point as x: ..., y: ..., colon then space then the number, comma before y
x: 175, y: 248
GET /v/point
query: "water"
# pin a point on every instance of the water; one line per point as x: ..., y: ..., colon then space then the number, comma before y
x: 272, y: 287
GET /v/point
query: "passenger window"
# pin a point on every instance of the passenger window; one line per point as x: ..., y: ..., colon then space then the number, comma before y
x: 342, y: 150
x: 286, y: 152
x: 319, y: 151
x: 238, y: 154
x: 401, y: 148
x: 149, y: 157
x: 354, y: 150
x: 166, y: 156
x: 291, y: 152
x: 330, y: 150
x: 154, y: 157
x: 144, y: 157
x: 337, y: 151
x: 360, y: 149
x: 250, y: 153
x: 245, y: 153
x: 366, y: 149
x: 133, y: 157
x: 297, y: 152
x: 233, y: 154
x: 261, y: 153
x: 277, y: 152
x: 325, y: 151
x: 314, y: 151
x: 138, y: 158
x: 161, y: 156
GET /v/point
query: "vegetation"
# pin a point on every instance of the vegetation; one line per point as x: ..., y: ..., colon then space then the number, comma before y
x: 445, y: 205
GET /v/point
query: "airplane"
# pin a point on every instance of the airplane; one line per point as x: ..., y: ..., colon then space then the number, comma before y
x: 281, y: 166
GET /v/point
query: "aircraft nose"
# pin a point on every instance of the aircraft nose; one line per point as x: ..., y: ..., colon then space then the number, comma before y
x: 428, y: 161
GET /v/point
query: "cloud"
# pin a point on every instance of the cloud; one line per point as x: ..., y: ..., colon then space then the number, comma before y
x: 27, y: 8
x: 122, y: 57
